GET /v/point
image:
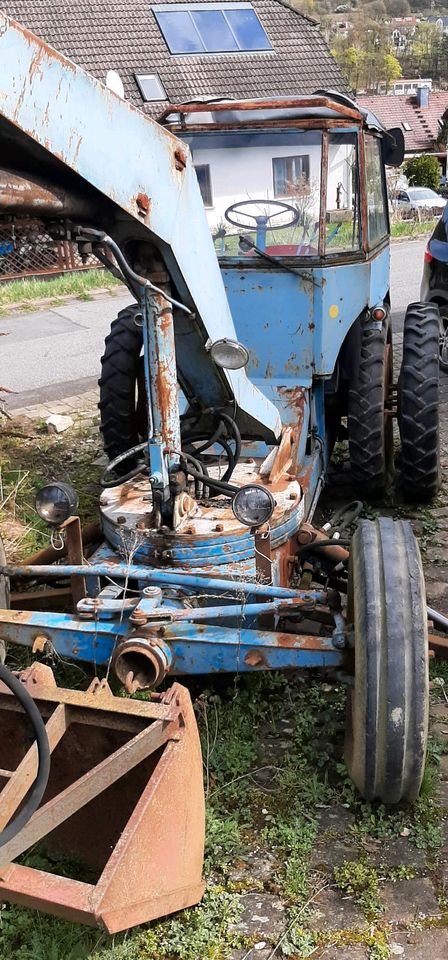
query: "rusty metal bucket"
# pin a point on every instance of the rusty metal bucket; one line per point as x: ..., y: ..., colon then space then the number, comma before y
x: 124, y: 804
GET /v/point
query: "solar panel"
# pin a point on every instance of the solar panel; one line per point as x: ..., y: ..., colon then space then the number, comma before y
x: 211, y: 28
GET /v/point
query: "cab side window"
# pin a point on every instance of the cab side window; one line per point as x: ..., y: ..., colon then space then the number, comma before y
x: 378, y: 225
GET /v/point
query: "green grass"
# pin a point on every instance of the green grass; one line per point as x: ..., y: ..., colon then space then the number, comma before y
x: 75, y: 284
x: 412, y: 228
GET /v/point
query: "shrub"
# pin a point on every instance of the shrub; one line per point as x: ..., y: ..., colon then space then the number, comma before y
x: 423, y: 172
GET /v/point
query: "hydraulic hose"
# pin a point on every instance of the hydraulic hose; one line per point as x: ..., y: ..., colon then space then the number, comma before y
x: 37, y: 790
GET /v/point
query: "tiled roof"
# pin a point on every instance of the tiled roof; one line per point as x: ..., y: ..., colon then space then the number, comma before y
x: 393, y: 111
x: 123, y: 35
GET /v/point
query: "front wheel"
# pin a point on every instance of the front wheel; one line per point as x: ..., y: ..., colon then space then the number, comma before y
x: 387, y: 722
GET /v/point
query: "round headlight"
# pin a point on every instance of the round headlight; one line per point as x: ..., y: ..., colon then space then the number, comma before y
x: 253, y: 505
x: 229, y: 354
x: 56, y: 502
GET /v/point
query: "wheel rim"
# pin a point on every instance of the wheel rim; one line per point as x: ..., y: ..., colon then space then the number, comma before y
x: 443, y: 339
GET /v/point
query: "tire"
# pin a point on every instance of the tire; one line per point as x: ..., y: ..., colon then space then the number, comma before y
x: 122, y: 404
x: 370, y: 430
x: 387, y: 723
x: 418, y: 402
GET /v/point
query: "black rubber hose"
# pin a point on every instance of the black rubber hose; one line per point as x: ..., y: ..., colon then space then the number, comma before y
x: 200, y: 473
x: 218, y: 485
x: 37, y: 790
x: 211, y: 458
x: 236, y: 433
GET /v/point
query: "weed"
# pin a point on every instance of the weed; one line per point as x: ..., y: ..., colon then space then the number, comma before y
x: 298, y: 941
x: 224, y: 840
x: 360, y: 878
x: 25, y: 465
x: 379, y: 951
x: 207, y: 932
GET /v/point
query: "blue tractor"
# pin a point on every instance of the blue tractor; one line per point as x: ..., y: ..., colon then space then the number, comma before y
x: 226, y: 383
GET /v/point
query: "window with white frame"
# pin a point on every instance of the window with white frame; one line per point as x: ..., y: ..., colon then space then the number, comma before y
x: 150, y: 86
x: 290, y: 174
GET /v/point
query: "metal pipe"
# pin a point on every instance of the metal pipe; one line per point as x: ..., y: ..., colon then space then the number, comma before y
x: 167, y: 576
x: 314, y: 101
x: 239, y: 610
x: 437, y: 618
x: 141, y: 664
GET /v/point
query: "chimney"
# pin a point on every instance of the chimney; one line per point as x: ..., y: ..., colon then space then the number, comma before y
x: 423, y: 97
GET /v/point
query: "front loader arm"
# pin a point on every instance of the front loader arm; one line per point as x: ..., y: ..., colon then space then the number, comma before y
x: 59, y: 124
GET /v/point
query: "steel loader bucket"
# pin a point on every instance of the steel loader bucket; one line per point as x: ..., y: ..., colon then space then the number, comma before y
x: 124, y: 804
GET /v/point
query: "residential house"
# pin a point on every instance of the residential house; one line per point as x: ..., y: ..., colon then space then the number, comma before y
x: 402, y: 30
x: 440, y: 22
x: 175, y: 52
x: 418, y: 116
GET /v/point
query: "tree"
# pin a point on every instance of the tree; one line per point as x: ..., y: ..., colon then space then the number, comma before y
x: 352, y: 62
x: 423, y: 171
x: 391, y: 69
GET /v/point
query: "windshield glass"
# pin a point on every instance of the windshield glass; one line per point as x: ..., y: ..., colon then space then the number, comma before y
x: 263, y: 190
x: 422, y: 193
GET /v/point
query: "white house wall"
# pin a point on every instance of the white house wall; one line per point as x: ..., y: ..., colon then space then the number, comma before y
x: 246, y: 173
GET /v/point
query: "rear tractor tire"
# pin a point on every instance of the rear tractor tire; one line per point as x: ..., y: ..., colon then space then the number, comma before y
x: 370, y: 427
x: 387, y: 717
x: 418, y: 402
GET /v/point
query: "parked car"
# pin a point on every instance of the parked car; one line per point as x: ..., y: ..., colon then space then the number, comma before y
x: 420, y: 200
x: 434, y: 286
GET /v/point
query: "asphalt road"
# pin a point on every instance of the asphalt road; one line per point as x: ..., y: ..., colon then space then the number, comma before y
x: 406, y: 273
x: 56, y: 353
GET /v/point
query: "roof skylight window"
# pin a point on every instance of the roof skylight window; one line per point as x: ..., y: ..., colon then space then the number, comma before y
x: 150, y: 86
x: 211, y: 27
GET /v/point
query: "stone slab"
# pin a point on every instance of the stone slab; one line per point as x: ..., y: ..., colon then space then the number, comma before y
x: 333, y: 910
x: 422, y: 944
x: 407, y: 900
x: 264, y: 915
x: 344, y: 953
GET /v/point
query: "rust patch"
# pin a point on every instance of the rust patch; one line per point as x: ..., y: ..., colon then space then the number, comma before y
x: 304, y: 642
x: 180, y: 159
x: 255, y: 659
x: 143, y: 204
x: 295, y: 398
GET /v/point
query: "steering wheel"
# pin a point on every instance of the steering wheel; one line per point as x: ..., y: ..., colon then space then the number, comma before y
x: 261, y: 219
